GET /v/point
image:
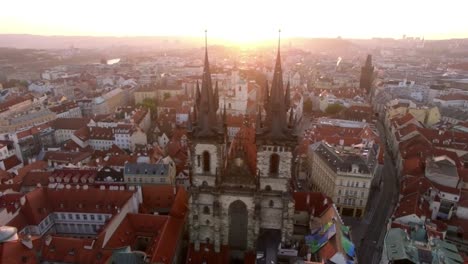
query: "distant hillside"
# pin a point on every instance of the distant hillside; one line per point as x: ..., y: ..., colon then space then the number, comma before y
x: 83, y: 42
x: 64, y: 42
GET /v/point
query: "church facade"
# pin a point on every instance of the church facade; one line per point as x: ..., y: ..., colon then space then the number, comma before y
x: 241, y: 188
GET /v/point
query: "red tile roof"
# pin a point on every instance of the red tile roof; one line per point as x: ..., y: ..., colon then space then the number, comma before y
x: 413, y: 166
x: 37, y: 165
x: 42, y: 201
x: 82, y: 134
x: 10, y: 201
x: 244, y: 144
x: 101, y: 133
x: 453, y: 97
x: 70, y: 123
x: 135, y: 225
x: 33, y: 178
x: 315, y: 202
x: 400, y: 121
x: 17, y: 253
x: 412, y: 204
x: 63, y: 107
x: 156, y: 197
x: 169, y: 242
x: 13, y: 101
x: 11, y: 162
x: 66, y: 157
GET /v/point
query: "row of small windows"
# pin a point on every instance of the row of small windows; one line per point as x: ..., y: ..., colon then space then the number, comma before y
x: 351, y: 192
x: 69, y: 216
x: 353, y: 184
x: 140, y: 179
x: 275, y: 148
x: 349, y: 201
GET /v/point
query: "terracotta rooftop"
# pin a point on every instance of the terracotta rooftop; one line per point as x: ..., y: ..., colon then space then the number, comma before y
x: 66, y: 157
x: 411, y: 204
x: 70, y: 123
x: 11, y: 162
x: 315, y: 202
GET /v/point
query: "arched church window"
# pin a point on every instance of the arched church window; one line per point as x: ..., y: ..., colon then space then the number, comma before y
x: 206, y: 209
x: 271, y: 204
x: 204, y: 184
x: 268, y: 188
x: 240, y: 88
x: 198, y: 160
x: 274, y: 163
x: 207, y: 222
x: 229, y: 105
x: 206, y: 161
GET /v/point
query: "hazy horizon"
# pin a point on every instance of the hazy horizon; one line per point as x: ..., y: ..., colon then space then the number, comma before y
x: 242, y: 21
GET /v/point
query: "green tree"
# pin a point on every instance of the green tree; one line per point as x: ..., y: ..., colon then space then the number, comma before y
x: 151, y: 105
x: 167, y: 96
x: 333, y: 109
x: 307, y: 106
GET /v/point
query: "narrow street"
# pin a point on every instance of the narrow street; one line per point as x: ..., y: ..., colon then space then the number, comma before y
x: 370, y: 249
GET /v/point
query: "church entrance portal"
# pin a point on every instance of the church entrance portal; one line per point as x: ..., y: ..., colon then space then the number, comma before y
x: 238, y: 225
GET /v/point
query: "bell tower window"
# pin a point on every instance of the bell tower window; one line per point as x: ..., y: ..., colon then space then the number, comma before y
x: 206, y: 162
x: 274, y: 163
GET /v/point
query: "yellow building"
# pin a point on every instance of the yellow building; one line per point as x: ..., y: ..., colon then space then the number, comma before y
x: 144, y: 92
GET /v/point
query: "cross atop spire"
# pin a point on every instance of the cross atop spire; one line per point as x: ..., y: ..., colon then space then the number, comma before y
x: 279, y: 40
x: 206, y: 41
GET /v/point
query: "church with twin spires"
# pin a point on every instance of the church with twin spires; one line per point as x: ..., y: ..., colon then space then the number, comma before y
x: 241, y: 189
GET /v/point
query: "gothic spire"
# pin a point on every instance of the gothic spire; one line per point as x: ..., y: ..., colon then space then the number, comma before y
x: 276, y: 123
x: 189, y: 121
x: 197, y: 95
x: 258, y: 122
x: 287, y: 97
x: 216, y: 96
x: 291, y: 117
x: 369, y: 61
x: 266, y: 96
x: 224, y: 115
x: 206, y: 118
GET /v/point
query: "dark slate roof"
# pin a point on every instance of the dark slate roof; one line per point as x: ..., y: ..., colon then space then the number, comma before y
x: 341, y: 162
x: 146, y: 169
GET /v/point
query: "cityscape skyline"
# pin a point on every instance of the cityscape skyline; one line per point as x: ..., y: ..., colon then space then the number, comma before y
x: 243, y: 22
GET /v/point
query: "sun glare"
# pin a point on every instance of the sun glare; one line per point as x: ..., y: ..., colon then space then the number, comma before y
x: 241, y: 22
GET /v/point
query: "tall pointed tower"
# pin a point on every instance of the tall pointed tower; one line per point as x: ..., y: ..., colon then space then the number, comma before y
x: 240, y: 190
x: 275, y: 143
x: 367, y: 75
x: 208, y: 153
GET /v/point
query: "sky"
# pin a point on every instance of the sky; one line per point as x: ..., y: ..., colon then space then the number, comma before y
x: 238, y: 20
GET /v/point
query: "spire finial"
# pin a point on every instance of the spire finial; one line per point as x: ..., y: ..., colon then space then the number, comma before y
x: 206, y: 39
x: 279, y: 39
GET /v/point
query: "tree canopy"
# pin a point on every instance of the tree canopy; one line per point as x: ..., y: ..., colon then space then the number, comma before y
x: 333, y: 109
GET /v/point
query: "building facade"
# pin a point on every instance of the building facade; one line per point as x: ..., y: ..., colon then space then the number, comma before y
x: 344, y: 177
x: 242, y: 188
